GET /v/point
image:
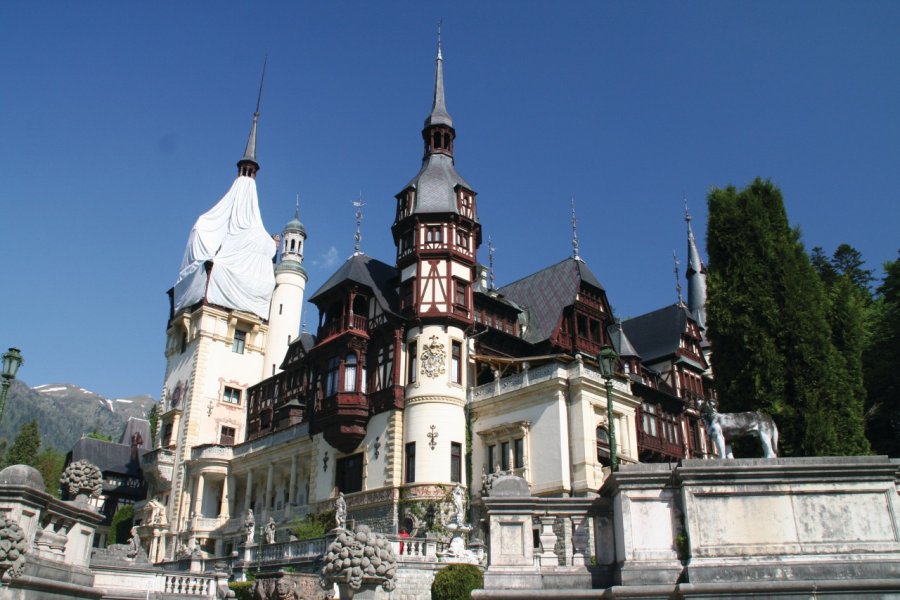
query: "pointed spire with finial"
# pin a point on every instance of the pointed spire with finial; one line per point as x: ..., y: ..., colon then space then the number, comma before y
x: 439, y: 114
x: 248, y: 166
x: 695, y: 274
x: 574, y: 233
x: 491, y: 262
x: 678, y: 278
x: 358, y: 203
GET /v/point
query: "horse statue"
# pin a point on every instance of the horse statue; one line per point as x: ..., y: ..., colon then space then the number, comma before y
x: 723, y: 427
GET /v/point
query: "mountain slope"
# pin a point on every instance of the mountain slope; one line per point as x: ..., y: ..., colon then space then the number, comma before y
x: 65, y: 412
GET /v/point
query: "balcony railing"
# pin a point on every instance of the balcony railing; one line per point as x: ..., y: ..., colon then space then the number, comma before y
x: 661, y: 445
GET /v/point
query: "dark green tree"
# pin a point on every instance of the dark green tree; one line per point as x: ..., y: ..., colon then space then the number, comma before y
x: 96, y: 435
x: 50, y: 464
x: 25, y: 448
x: 881, y: 359
x: 121, y: 524
x: 768, y: 325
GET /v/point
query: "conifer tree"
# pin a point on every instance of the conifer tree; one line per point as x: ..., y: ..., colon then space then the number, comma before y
x: 882, y: 374
x: 768, y: 324
x: 25, y: 448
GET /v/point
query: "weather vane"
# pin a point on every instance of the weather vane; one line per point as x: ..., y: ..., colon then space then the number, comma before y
x: 491, y: 261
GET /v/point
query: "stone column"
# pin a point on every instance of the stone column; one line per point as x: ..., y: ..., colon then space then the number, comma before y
x: 548, y: 542
x: 580, y: 540
x: 226, y: 494
x: 248, y: 493
x: 232, y: 487
x: 268, y: 497
x: 198, y: 499
x: 292, y: 490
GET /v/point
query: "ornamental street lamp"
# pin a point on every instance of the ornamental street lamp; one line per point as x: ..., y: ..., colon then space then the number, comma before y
x: 12, y: 360
x: 607, y: 360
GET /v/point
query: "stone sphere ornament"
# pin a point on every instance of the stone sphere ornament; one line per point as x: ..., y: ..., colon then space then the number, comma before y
x: 82, y: 480
x: 13, y: 547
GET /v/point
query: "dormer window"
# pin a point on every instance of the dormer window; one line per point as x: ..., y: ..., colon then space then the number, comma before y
x: 433, y: 234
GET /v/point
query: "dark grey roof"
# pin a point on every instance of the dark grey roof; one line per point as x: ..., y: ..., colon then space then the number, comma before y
x: 108, y: 456
x: 658, y: 333
x: 620, y: 341
x: 546, y: 293
x: 435, y: 185
x: 136, y: 426
x: 367, y: 271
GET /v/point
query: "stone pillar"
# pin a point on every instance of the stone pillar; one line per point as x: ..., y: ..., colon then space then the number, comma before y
x: 198, y: 499
x: 232, y: 487
x: 226, y: 494
x: 292, y: 490
x: 580, y: 540
x: 268, y: 497
x: 248, y: 493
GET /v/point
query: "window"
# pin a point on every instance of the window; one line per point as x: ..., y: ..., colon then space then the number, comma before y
x: 462, y: 239
x: 455, y: 462
x: 226, y: 436
x: 231, y: 395
x: 462, y: 293
x: 240, y: 339
x: 603, y: 445
x: 504, y: 456
x: 348, y: 474
x: 410, y: 462
x: 411, y: 351
x: 350, y: 373
x: 184, y: 341
x: 167, y: 434
x: 406, y: 293
x: 519, y: 453
x: 433, y: 234
x: 649, y: 419
x: 331, y: 376
x: 455, y: 362
x: 492, y: 451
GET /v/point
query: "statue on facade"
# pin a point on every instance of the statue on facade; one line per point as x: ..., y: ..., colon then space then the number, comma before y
x: 724, y: 427
x: 340, y: 511
x: 155, y: 513
x: 250, y: 526
x: 459, y: 500
x: 270, y: 531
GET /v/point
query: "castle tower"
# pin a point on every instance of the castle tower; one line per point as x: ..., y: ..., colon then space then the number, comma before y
x: 287, y: 300
x: 437, y: 234
x: 216, y: 342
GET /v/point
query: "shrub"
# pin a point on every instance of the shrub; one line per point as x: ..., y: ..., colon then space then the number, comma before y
x: 456, y: 582
x: 313, y: 525
x: 242, y: 589
x: 120, y: 527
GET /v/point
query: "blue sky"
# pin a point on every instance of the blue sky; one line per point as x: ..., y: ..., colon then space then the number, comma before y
x: 123, y: 121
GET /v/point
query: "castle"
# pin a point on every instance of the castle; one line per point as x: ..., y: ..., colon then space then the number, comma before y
x: 421, y: 376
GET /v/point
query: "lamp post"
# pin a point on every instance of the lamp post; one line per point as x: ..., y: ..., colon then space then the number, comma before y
x: 607, y: 360
x: 12, y: 360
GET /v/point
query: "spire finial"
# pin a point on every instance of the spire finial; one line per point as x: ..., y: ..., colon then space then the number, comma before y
x: 491, y: 262
x: 248, y: 165
x: 358, y: 203
x: 677, y: 278
x: 574, y: 232
x: 440, y: 22
x: 297, y: 208
x: 439, y: 114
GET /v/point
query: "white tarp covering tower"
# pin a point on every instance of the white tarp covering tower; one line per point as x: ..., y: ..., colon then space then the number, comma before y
x: 231, y: 235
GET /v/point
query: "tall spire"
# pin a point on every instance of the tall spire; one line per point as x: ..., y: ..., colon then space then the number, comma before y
x: 439, y: 114
x: 248, y: 165
x: 696, y: 274
x: 491, y: 262
x: 677, y: 278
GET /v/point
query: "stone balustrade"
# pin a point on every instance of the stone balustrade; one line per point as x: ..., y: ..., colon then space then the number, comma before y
x: 193, y: 585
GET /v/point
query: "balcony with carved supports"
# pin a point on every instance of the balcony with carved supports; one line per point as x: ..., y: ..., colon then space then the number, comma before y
x: 158, y: 466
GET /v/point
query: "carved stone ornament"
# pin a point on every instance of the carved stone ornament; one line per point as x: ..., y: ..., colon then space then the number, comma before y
x: 13, y: 547
x: 82, y: 478
x: 358, y: 558
x: 433, y: 356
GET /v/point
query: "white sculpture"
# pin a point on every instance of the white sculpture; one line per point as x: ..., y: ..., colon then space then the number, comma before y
x: 250, y: 526
x: 723, y: 427
x: 459, y: 499
x: 340, y: 511
x: 270, y: 531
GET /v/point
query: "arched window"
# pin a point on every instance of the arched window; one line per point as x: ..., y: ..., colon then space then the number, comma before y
x: 350, y: 373
x: 331, y: 377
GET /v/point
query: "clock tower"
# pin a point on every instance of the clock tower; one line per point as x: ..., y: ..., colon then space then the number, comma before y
x: 437, y: 234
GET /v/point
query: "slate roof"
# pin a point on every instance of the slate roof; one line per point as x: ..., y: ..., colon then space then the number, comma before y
x: 370, y: 272
x: 435, y: 185
x: 621, y: 342
x: 546, y: 293
x: 658, y: 333
x: 109, y: 456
